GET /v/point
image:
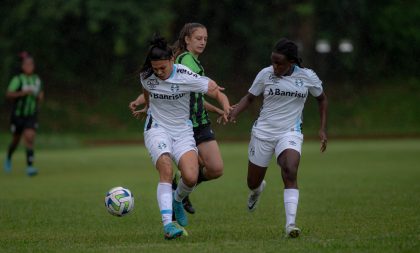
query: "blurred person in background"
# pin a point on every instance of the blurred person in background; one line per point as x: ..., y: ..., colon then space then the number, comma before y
x: 284, y: 85
x: 25, y: 91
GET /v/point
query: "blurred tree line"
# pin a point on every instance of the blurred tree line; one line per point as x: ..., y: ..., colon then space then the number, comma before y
x: 80, y: 42
x: 96, y: 46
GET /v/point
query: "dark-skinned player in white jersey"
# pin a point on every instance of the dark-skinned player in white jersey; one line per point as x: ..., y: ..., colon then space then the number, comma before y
x: 284, y: 85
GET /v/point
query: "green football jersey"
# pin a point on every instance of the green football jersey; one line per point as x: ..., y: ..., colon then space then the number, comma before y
x: 27, y: 105
x: 198, y: 113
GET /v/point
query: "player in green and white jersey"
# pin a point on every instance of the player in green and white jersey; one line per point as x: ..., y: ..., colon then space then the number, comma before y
x: 191, y: 44
x: 25, y: 90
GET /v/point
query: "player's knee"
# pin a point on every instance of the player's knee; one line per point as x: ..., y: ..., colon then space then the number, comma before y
x: 214, y: 170
x: 289, y: 173
x: 189, y: 180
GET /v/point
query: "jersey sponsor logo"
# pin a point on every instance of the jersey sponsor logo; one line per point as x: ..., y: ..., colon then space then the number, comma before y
x: 184, y: 71
x: 152, y: 83
x: 167, y: 97
x: 299, y: 82
x: 174, y: 88
x: 278, y: 92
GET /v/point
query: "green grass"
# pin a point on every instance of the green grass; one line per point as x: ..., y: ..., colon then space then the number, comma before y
x: 361, y: 196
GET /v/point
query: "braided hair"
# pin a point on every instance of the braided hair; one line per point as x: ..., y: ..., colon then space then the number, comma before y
x: 158, y: 50
x: 180, y: 45
x: 289, y: 49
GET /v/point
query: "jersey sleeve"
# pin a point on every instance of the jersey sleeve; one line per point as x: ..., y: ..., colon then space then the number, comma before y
x: 188, y: 60
x: 257, y: 86
x: 316, y: 84
x: 143, y: 83
x: 14, y: 84
x: 192, y: 82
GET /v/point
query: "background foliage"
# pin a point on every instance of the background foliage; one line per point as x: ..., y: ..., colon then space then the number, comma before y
x: 88, y: 52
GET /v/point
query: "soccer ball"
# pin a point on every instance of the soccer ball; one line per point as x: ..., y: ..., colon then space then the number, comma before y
x: 119, y: 201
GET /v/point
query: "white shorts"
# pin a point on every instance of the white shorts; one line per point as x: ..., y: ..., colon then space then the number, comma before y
x: 260, y: 151
x: 158, y: 142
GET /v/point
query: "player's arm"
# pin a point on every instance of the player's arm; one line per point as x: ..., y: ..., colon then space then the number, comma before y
x: 18, y: 94
x: 323, y: 110
x: 211, y: 108
x: 214, y: 91
x: 40, y: 96
x: 138, y: 101
x: 241, y: 106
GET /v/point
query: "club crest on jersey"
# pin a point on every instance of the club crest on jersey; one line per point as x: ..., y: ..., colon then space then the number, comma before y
x: 174, y: 88
x: 161, y: 145
x: 273, y: 78
x: 152, y: 83
x: 298, y: 82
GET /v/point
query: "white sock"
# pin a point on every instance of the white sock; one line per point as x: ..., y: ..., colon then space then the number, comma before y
x: 182, y: 191
x: 164, y: 197
x: 291, y: 199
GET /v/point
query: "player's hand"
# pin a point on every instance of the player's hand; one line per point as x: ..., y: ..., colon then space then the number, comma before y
x: 27, y: 93
x: 140, y: 114
x: 133, y: 105
x: 232, y: 115
x: 324, y: 140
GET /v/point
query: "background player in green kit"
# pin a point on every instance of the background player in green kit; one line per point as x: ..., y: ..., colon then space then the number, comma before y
x: 25, y: 90
x: 189, y: 46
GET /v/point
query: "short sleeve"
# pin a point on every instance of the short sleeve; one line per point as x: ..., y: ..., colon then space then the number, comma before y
x: 257, y: 86
x: 193, y: 82
x: 14, y: 84
x: 315, y: 87
x: 143, y: 83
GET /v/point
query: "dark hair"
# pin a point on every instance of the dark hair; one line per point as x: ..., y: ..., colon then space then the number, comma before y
x: 158, y: 50
x: 289, y: 49
x: 22, y: 56
x: 180, y: 46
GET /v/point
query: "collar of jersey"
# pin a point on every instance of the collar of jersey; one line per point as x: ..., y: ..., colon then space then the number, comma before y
x: 173, y: 71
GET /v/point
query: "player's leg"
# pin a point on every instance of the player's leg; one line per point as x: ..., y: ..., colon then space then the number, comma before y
x: 159, y: 145
x: 188, y: 165
x: 288, y: 160
x: 29, y: 139
x: 211, y: 161
x: 256, y: 184
x: 16, y: 128
x: 11, y: 149
x: 164, y: 196
x: 211, y: 167
x: 259, y: 156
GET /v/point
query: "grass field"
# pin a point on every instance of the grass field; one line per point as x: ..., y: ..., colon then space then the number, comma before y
x: 361, y: 196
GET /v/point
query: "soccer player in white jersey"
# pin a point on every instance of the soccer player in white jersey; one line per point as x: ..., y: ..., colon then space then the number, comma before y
x: 168, y: 131
x: 285, y: 85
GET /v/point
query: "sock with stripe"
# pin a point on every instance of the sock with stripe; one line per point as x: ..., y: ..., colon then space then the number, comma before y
x: 164, y: 197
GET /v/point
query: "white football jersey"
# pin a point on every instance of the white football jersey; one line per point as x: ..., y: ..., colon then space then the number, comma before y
x: 284, y: 99
x: 170, y: 99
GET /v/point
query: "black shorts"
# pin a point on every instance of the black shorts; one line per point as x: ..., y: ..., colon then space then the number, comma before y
x: 203, y: 134
x: 19, y: 124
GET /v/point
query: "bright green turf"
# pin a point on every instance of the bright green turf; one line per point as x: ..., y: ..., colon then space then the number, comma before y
x: 361, y: 196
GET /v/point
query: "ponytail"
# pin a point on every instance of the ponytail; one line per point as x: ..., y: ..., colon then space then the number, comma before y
x: 158, y: 50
